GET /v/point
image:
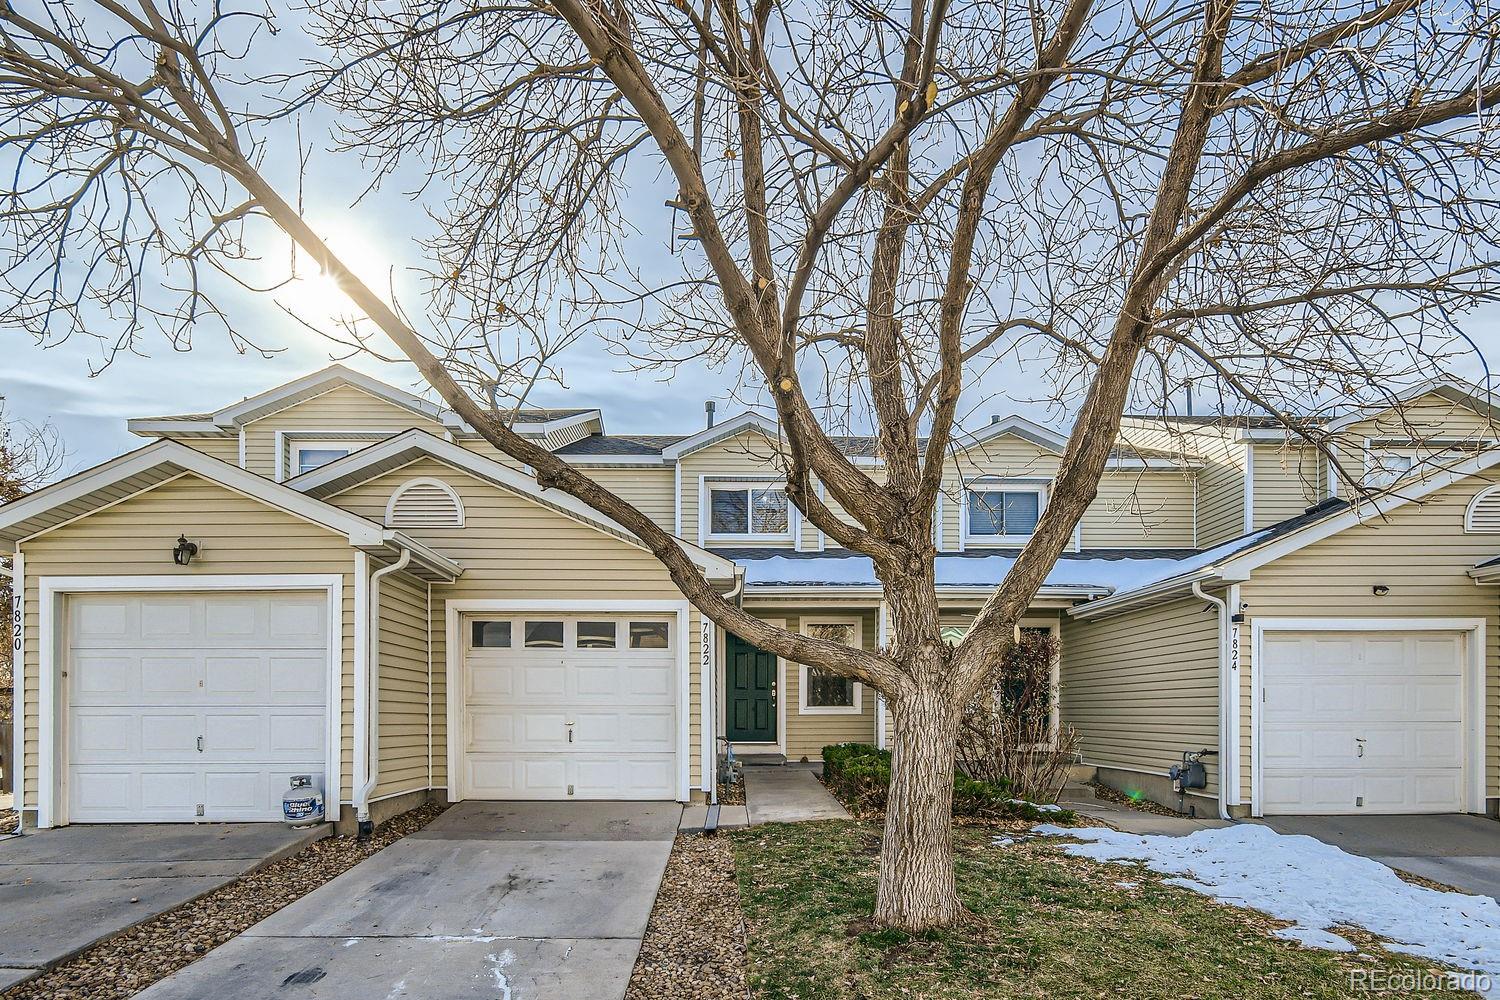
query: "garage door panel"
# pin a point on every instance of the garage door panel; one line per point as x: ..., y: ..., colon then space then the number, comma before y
x: 1362, y: 722
x: 104, y: 679
x: 151, y: 675
x: 618, y: 703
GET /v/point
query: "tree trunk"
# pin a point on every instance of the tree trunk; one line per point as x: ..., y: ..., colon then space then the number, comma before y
x: 917, y: 889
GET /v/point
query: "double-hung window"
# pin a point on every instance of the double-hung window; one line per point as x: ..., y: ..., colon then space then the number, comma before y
x: 1003, y: 512
x: 748, y: 511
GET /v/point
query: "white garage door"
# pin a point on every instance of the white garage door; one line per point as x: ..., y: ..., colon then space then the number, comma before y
x: 1362, y: 722
x: 192, y: 706
x: 570, y: 706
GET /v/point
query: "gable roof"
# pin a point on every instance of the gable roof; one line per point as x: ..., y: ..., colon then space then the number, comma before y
x: 532, y: 421
x: 402, y: 449
x: 145, y: 468
x: 1233, y: 561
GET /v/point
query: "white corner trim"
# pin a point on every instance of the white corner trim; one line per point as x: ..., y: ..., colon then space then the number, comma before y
x: 450, y: 492
x: 881, y: 626
x: 361, y: 694
x: 51, y: 591
x: 16, y: 635
x: 456, y: 609
x: 1249, y: 523
x: 803, y: 708
x: 708, y: 751
x: 1474, y: 666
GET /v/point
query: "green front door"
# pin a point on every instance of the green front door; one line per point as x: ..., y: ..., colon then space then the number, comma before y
x: 750, y: 692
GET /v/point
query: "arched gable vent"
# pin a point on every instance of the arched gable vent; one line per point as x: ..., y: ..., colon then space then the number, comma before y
x: 1484, y: 512
x: 424, y: 503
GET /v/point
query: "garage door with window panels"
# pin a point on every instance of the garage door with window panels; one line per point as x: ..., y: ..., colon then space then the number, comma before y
x: 570, y: 706
x: 1362, y: 722
x: 187, y: 707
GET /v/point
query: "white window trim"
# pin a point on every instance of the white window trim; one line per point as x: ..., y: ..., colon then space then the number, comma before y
x: 52, y: 800
x: 1472, y: 721
x: 289, y: 443
x: 706, y: 486
x: 679, y: 612
x: 458, y: 504
x: 1428, y: 456
x: 803, y: 708
x: 1041, y: 487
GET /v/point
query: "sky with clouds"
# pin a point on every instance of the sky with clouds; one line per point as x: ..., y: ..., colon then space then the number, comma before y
x: 379, y: 237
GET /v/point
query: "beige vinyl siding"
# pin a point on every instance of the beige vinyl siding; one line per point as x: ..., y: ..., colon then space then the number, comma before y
x: 1004, y: 457
x: 480, y: 446
x: 807, y: 735
x: 514, y: 549
x: 1429, y: 416
x: 1221, y: 480
x: 1422, y: 553
x: 135, y: 538
x: 649, y: 490
x: 225, y: 449
x: 749, y: 454
x: 1286, y: 481
x: 405, y: 712
x: 1141, y: 509
x: 343, y: 409
x: 1143, y: 686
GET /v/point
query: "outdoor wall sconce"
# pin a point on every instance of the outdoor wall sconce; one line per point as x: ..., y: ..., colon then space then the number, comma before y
x: 1380, y: 590
x: 185, y: 550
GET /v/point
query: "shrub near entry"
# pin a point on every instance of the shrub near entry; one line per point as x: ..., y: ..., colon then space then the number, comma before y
x: 860, y: 776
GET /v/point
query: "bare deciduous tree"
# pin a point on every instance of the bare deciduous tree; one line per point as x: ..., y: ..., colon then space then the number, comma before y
x: 30, y: 455
x: 881, y: 204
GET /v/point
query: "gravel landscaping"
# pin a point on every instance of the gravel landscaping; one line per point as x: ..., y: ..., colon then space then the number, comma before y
x: 131, y: 961
x: 694, y: 947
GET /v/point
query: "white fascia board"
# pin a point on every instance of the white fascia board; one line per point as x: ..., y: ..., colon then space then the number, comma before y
x: 1449, y: 385
x: 432, y: 558
x: 719, y: 431
x: 1486, y: 574
x: 605, y: 461
x: 502, y: 475
x: 1151, y: 594
x: 153, y: 428
x: 265, y: 403
x: 1018, y: 425
x: 542, y: 429
x: 358, y: 530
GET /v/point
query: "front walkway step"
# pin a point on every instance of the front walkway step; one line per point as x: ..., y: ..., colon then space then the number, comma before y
x: 788, y: 795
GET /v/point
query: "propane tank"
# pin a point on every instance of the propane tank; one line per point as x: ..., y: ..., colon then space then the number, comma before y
x: 302, y: 805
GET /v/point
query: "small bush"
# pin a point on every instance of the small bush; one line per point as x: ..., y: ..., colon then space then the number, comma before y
x: 860, y: 776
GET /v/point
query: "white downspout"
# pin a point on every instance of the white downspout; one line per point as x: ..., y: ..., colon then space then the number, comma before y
x: 371, y: 720
x: 1224, y: 702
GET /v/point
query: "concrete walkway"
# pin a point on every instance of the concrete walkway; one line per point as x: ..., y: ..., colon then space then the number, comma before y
x: 1461, y: 851
x: 62, y: 890
x: 518, y: 900
x: 788, y: 794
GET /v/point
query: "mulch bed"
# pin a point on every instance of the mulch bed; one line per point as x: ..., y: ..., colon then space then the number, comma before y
x: 1107, y: 794
x: 129, y: 962
x: 694, y: 947
x: 732, y: 795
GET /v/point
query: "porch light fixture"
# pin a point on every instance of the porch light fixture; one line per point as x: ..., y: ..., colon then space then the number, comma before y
x: 1380, y: 590
x: 185, y: 550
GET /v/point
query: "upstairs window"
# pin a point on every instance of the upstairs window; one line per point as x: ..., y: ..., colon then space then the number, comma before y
x: 1004, y: 512
x: 307, y: 457
x: 744, y: 510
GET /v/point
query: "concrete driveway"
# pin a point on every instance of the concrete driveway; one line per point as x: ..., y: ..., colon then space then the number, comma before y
x: 516, y: 901
x: 1461, y: 851
x: 62, y: 890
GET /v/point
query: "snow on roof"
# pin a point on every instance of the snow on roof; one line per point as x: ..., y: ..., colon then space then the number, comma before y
x: 1104, y: 569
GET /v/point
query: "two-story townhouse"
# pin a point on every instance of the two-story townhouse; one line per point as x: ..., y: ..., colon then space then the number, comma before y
x: 336, y: 577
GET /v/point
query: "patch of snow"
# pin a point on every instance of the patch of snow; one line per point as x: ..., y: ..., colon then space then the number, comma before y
x: 1048, y: 808
x: 351, y: 942
x: 1119, y: 575
x: 1314, y: 885
x: 1002, y: 842
x: 1127, y: 885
